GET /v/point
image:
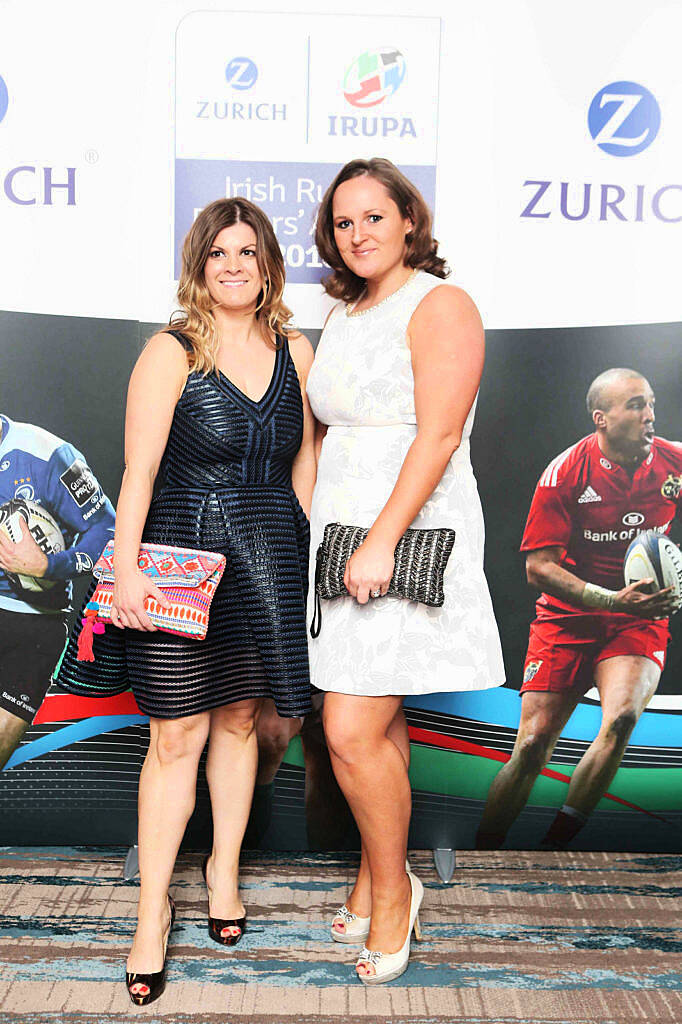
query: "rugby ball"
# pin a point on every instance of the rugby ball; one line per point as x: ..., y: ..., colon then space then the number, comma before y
x: 653, y: 556
x: 19, y: 514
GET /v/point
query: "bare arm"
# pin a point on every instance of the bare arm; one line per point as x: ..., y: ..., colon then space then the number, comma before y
x: 155, y: 386
x: 544, y: 572
x: 304, y: 469
x: 447, y: 347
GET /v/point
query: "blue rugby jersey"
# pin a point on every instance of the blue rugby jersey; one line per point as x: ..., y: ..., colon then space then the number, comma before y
x: 37, y: 466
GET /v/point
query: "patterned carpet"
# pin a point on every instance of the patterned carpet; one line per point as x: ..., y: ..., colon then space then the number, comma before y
x: 529, y: 938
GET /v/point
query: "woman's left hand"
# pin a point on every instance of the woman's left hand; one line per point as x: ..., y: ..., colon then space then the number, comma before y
x: 369, y: 570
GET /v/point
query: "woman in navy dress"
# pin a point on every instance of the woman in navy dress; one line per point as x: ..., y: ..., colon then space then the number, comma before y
x: 218, y: 402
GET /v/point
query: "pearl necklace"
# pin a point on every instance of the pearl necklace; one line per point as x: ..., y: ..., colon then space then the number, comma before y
x: 361, y: 312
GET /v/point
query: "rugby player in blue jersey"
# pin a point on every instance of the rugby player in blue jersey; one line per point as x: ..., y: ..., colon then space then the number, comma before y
x: 39, y: 469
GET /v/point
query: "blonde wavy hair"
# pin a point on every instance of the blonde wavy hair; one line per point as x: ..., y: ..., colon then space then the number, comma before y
x: 195, y: 318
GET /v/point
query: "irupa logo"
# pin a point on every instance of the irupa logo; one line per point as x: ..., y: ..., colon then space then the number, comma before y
x: 372, y: 78
x: 384, y: 127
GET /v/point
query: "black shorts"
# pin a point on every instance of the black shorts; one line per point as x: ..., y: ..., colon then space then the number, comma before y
x: 30, y: 646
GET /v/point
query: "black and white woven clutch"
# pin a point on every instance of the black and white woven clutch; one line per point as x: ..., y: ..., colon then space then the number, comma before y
x: 420, y: 560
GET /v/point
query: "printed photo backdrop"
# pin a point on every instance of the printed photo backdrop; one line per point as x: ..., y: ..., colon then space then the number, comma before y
x: 555, y: 188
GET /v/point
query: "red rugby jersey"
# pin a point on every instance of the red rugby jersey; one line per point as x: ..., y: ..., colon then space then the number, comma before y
x: 592, y: 508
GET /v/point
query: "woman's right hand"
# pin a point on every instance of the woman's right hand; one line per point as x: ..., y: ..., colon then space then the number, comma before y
x: 127, y: 606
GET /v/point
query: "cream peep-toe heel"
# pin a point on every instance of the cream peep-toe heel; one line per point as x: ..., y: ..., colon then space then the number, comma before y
x: 388, y: 966
x: 355, y: 929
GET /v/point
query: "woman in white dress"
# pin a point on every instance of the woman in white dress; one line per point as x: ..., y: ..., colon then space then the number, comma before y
x: 393, y: 386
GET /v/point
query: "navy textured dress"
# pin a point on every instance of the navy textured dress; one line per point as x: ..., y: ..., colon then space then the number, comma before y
x: 226, y: 475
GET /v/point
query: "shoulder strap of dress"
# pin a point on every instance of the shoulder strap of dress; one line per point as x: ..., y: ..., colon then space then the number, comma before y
x: 282, y: 341
x: 179, y: 336
x: 425, y: 283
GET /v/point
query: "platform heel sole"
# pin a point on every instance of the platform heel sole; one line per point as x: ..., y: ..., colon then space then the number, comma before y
x: 349, y: 940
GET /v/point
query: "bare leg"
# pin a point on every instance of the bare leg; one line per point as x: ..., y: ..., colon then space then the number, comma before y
x: 329, y: 822
x: 543, y: 716
x: 166, y: 801
x: 360, y: 899
x: 12, y: 728
x: 626, y: 684
x: 397, y: 732
x: 274, y: 735
x: 372, y: 773
x: 231, y: 772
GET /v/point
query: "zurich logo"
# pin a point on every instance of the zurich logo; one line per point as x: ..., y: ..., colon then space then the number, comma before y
x: 633, y: 519
x: 241, y: 73
x: 373, y: 76
x: 624, y: 118
x: 4, y: 98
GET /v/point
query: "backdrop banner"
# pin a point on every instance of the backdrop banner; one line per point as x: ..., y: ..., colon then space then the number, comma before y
x: 556, y: 191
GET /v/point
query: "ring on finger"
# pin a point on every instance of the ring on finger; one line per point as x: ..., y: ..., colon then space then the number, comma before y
x: 377, y: 592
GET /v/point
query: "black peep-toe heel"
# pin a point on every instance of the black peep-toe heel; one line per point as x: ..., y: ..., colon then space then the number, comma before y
x: 217, y: 924
x: 155, y: 982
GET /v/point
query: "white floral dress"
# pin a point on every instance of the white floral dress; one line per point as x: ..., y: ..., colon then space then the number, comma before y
x: 361, y: 385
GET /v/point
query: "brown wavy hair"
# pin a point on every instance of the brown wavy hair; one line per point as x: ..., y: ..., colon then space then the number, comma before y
x: 195, y: 318
x: 421, y: 247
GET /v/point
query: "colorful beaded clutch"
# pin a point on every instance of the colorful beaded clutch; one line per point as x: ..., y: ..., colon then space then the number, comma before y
x: 188, y: 578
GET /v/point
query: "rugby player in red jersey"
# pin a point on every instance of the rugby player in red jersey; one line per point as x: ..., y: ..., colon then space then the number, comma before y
x: 589, y: 504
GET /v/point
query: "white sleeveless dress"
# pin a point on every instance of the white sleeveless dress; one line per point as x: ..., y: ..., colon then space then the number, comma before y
x: 361, y: 385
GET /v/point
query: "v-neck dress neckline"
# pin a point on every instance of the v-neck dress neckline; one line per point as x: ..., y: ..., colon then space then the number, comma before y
x: 255, y: 401
x: 262, y: 410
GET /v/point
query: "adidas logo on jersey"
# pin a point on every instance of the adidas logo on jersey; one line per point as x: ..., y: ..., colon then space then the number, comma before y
x: 589, y: 494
